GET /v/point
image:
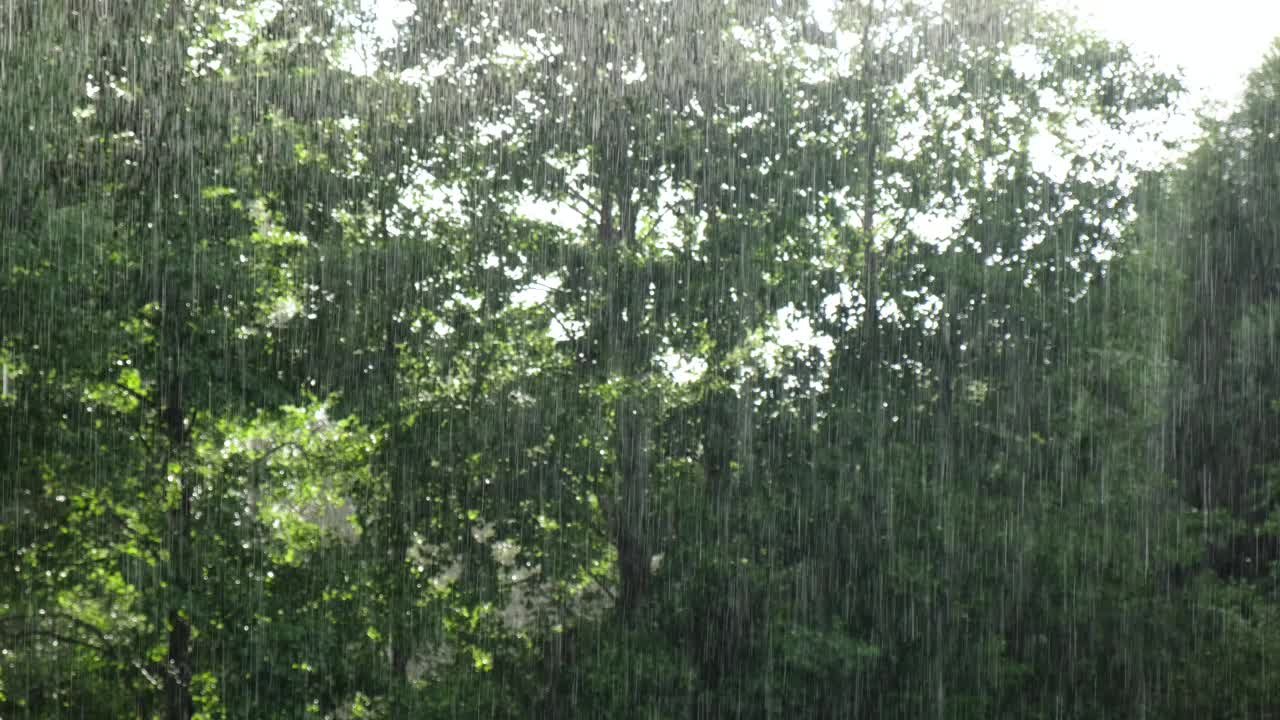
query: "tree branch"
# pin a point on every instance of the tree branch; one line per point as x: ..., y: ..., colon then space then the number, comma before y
x: 105, y: 648
x: 267, y: 455
x: 140, y: 397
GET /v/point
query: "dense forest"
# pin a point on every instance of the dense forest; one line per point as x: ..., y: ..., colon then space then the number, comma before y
x: 630, y: 359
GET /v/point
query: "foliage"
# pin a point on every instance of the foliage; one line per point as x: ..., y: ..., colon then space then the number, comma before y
x: 614, y: 359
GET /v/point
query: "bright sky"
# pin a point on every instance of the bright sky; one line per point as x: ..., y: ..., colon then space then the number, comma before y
x: 1216, y: 42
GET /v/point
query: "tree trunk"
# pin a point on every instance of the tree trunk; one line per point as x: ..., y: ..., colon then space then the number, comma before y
x: 399, y: 501
x: 627, y: 355
x: 177, y: 683
x: 632, y: 450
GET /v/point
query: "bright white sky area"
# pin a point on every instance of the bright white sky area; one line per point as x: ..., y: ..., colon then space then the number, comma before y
x: 1216, y: 42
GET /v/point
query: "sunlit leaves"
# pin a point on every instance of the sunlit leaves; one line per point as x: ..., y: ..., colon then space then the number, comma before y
x: 595, y: 283
x: 297, y: 473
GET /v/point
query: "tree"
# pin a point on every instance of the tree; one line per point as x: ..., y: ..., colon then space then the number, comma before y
x: 1223, y: 419
x: 604, y: 358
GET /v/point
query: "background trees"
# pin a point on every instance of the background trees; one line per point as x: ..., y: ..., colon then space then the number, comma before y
x: 602, y: 359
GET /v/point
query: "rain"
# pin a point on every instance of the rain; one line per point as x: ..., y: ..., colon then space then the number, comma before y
x: 639, y: 359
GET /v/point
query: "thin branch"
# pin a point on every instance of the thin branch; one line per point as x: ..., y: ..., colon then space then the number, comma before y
x: 607, y: 590
x: 123, y: 522
x: 140, y: 397
x: 567, y: 333
x: 595, y: 210
x: 83, y: 625
x: 507, y: 582
x: 900, y: 231
x: 267, y: 455
x: 97, y: 632
x: 657, y: 220
x: 57, y: 637
x: 146, y: 444
x: 106, y: 648
x: 152, y: 680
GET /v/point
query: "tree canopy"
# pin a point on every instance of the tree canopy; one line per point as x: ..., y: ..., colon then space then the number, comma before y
x: 629, y: 358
